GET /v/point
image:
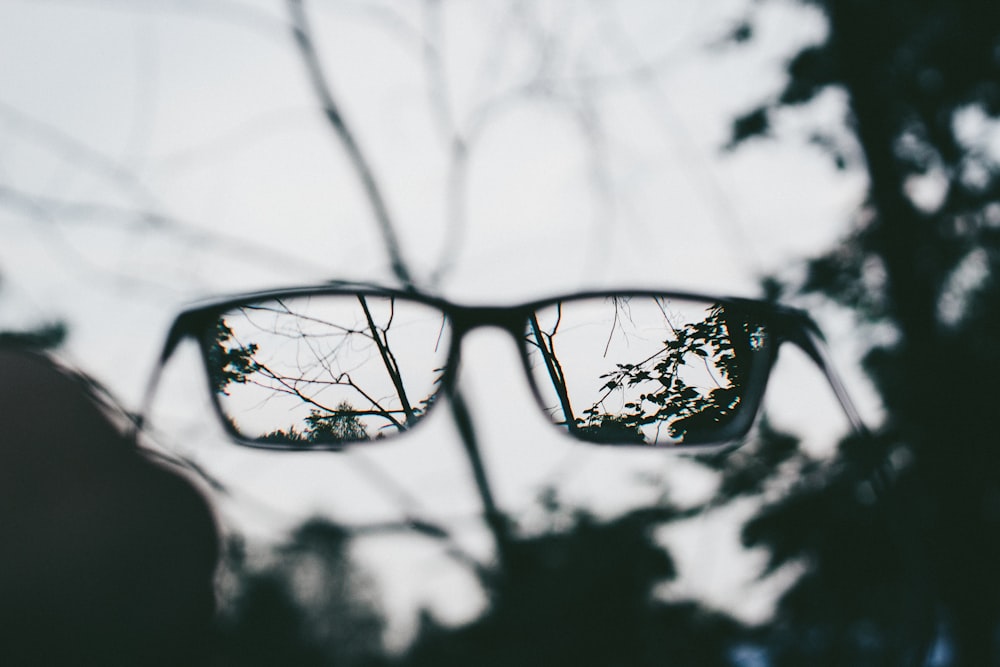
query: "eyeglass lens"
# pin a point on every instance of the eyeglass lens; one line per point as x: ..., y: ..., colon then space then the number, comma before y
x: 643, y: 370
x: 328, y: 368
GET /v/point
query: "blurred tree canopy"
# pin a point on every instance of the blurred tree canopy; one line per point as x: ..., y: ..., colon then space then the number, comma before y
x: 922, y: 83
x: 583, y: 597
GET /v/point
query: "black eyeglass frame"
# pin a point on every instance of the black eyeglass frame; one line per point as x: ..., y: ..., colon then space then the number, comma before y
x: 783, y: 323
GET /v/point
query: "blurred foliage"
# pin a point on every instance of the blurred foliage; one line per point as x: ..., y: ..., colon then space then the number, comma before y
x: 306, y: 604
x: 42, y: 337
x: 922, y: 81
x: 584, y: 596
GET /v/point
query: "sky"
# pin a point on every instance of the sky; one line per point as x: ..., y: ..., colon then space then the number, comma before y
x: 154, y: 152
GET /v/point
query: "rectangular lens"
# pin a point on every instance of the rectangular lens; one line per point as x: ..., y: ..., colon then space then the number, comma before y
x: 326, y: 369
x: 648, y: 369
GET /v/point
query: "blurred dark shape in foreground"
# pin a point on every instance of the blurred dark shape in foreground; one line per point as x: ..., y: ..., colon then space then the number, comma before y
x: 921, y: 86
x: 585, y: 597
x: 305, y: 603
x: 581, y: 592
x: 106, y: 558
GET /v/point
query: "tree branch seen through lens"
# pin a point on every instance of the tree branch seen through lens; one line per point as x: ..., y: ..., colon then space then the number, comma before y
x: 325, y: 370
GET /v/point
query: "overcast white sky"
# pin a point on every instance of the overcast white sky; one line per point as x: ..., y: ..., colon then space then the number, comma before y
x: 156, y: 151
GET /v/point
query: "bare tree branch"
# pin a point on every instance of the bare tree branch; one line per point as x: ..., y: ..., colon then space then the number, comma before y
x: 303, y: 38
x: 302, y: 32
x: 59, y: 211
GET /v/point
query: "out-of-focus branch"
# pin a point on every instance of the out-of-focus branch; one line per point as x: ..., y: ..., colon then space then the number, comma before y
x: 302, y: 32
x: 78, y: 153
x: 304, y: 40
x: 63, y: 212
x: 451, y: 137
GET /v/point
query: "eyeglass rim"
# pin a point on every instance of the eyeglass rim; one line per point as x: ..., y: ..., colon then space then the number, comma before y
x: 787, y: 324
x: 787, y: 314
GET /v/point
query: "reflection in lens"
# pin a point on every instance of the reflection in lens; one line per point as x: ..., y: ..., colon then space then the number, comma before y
x: 326, y: 369
x: 645, y: 370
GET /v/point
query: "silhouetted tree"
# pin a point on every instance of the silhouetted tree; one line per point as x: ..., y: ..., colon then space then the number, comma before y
x: 584, y: 597
x: 921, y: 80
x: 306, y: 604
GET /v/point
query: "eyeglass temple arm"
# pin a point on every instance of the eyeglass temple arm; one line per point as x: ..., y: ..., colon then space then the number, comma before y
x: 806, y: 334
x: 183, y: 326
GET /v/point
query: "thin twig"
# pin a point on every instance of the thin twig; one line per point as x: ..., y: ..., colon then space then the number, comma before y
x: 302, y: 32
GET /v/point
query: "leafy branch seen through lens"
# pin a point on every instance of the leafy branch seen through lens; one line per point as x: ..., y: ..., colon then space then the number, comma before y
x: 673, y: 367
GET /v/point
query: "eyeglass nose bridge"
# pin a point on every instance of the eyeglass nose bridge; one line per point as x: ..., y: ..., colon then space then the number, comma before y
x: 515, y: 320
x: 511, y: 319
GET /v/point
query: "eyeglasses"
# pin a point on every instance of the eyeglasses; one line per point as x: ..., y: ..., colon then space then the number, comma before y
x: 325, y: 367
